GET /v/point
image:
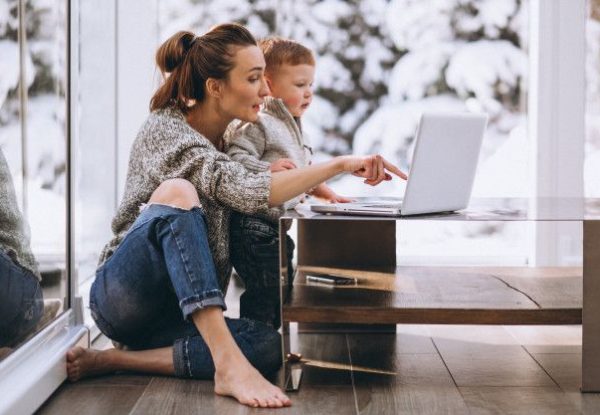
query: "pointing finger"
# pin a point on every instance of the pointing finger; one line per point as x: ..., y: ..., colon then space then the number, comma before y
x: 389, y: 166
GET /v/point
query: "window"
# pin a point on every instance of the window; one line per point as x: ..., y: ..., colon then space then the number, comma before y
x: 380, y: 64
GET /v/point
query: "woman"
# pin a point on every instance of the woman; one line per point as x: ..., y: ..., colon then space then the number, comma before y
x: 159, y: 288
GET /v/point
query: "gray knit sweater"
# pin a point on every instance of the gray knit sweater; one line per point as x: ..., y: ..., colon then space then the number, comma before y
x: 14, y: 231
x: 276, y: 134
x: 167, y: 147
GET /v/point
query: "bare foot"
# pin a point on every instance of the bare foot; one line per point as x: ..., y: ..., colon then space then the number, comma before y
x: 82, y: 363
x: 243, y: 382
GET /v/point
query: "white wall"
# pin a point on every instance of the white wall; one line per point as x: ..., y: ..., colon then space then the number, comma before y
x: 93, y: 127
x: 112, y: 82
x: 137, y: 41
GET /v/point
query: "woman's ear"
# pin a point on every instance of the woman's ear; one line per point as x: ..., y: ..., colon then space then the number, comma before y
x: 214, y: 87
x: 269, y: 84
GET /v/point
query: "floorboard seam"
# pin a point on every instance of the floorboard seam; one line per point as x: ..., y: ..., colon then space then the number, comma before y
x: 141, y: 396
x: 444, y: 362
x: 543, y: 368
x: 451, y: 376
x: 517, y: 290
x: 352, y: 375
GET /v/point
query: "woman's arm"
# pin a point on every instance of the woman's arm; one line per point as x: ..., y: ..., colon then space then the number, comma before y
x: 175, y: 153
x: 290, y: 183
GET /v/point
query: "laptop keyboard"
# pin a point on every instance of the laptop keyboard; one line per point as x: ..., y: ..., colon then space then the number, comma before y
x: 397, y: 205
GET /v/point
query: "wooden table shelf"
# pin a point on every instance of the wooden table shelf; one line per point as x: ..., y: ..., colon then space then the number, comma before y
x: 440, y: 295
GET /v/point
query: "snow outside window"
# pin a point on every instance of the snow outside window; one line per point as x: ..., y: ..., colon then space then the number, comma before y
x: 32, y: 125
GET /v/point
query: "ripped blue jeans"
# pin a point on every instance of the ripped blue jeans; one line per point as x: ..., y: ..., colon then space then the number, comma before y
x: 161, y: 273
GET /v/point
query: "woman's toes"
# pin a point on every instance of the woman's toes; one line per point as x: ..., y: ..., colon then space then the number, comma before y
x: 73, y: 375
x: 250, y: 402
x: 275, y: 403
x: 283, y: 398
x: 74, y: 353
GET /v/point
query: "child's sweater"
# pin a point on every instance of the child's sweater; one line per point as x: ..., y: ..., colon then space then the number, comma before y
x: 276, y: 134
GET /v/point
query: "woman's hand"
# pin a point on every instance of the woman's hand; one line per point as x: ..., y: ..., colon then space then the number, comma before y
x: 374, y: 169
x: 288, y: 184
x: 281, y: 165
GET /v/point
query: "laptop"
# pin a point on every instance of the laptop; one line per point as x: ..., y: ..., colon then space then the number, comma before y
x: 442, y: 172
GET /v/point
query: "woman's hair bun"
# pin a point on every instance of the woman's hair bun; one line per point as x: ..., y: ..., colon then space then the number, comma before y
x: 172, y: 52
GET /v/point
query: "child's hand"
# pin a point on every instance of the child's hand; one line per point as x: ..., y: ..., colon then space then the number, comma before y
x: 325, y: 192
x: 281, y: 165
x: 340, y: 199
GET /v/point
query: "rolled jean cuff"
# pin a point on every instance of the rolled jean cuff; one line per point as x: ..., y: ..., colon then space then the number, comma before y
x: 198, y: 302
x: 181, y: 361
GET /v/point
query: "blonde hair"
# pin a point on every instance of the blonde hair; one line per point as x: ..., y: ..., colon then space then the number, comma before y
x: 279, y: 51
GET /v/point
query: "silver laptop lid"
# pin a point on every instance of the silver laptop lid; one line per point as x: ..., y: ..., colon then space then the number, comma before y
x: 444, y: 162
x: 442, y: 170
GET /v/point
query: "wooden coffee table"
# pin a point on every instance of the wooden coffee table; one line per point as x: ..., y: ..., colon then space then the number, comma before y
x: 388, y: 293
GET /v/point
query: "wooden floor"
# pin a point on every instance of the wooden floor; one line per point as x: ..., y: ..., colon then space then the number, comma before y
x: 420, y: 370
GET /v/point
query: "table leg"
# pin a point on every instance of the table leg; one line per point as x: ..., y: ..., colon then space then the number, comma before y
x: 590, y: 381
x: 292, y: 371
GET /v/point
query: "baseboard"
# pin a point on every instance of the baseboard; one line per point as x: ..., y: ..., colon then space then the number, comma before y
x: 32, y: 373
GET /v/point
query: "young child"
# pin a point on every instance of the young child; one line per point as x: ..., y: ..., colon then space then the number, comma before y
x: 274, y: 142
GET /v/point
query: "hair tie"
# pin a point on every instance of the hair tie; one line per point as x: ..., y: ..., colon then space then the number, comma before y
x: 187, y: 45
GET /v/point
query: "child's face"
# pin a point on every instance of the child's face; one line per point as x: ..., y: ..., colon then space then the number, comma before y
x: 293, y: 85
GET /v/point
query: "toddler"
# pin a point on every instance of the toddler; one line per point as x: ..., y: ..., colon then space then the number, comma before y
x: 274, y: 142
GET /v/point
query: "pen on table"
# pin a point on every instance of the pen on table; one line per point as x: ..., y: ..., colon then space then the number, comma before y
x: 325, y: 280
